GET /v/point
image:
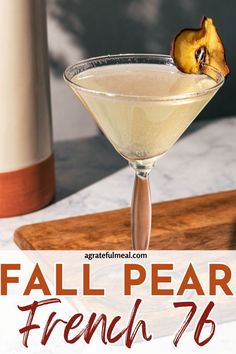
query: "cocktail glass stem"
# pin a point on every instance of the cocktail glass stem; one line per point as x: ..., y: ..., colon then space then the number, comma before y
x: 141, y: 211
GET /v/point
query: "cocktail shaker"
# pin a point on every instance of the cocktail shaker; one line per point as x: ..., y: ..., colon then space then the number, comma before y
x: 26, y: 158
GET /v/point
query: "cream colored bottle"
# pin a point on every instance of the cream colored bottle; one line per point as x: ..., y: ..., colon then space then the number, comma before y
x: 26, y: 158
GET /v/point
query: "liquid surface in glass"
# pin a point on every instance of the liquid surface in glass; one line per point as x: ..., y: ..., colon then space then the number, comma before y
x: 146, y: 125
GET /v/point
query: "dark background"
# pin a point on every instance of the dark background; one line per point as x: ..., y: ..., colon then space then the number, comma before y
x: 124, y: 26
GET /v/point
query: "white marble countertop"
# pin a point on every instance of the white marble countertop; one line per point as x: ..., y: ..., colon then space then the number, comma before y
x: 91, y: 177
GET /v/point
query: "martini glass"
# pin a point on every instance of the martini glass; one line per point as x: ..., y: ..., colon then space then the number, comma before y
x: 143, y: 104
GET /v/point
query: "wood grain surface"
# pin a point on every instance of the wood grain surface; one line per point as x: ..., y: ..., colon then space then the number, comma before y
x: 199, y: 223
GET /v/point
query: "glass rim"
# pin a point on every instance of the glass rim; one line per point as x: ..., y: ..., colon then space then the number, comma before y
x: 169, y: 61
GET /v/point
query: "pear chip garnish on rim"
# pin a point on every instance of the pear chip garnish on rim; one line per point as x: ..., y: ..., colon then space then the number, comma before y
x: 192, y: 48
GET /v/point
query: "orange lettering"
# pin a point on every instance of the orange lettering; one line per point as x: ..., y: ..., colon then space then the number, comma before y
x: 193, y: 285
x: 156, y: 279
x: 223, y: 282
x: 41, y: 285
x: 129, y: 281
x: 5, y: 279
x: 87, y: 289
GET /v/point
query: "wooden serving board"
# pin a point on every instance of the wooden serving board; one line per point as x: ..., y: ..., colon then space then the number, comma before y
x: 205, y: 222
